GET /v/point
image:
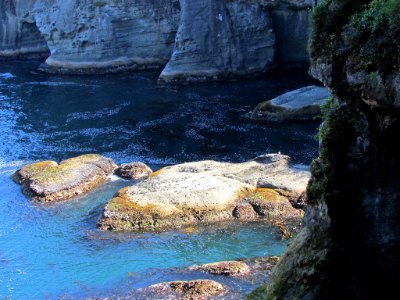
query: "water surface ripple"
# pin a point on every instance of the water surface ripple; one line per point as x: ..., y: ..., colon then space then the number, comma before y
x: 56, y: 251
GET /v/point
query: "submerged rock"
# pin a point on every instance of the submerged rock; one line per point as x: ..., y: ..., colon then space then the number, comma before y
x: 301, y: 104
x: 48, y: 181
x: 194, y: 289
x: 134, y: 170
x: 205, y: 191
x: 228, y: 268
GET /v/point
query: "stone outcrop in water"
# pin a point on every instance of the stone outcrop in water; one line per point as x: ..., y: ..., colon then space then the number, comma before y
x: 134, y: 171
x: 49, y: 181
x: 207, y: 191
x: 301, y: 104
x: 216, y: 39
x: 19, y: 35
x: 350, y: 245
x: 220, y: 39
x: 227, y: 268
x: 201, y: 289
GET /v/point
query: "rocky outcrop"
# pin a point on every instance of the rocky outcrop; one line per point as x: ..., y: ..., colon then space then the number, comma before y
x: 208, y: 191
x: 106, y: 36
x: 49, y: 181
x: 195, y: 289
x: 216, y: 39
x: 134, y: 171
x: 219, y: 39
x: 349, y: 246
x: 227, y: 268
x: 301, y: 104
x: 19, y: 36
x: 290, y: 19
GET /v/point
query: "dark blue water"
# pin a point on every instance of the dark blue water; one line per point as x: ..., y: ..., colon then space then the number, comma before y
x: 56, y: 250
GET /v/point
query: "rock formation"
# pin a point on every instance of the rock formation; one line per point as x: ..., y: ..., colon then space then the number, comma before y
x: 220, y: 39
x: 349, y: 248
x: 107, y: 36
x: 48, y: 181
x: 201, y: 289
x: 301, y: 104
x: 208, y: 191
x: 19, y: 35
x: 216, y: 39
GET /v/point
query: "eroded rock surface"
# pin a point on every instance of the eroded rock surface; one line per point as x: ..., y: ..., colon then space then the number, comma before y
x: 194, y: 289
x: 19, y: 35
x: 49, y: 181
x: 134, y: 171
x: 207, y: 191
x: 221, y: 39
x: 107, y: 36
x: 227, y: 268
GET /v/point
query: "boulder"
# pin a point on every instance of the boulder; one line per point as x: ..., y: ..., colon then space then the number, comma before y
x: 194, y: 289
x: 301, y: 104
x: 204, y: 192
x: 134, y: 171
x: 48, y: 181
x: 228, y: 268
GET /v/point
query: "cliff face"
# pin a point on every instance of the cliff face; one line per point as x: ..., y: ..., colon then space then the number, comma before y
x: 349, y: 248
x: 105, y: 36
x: 19, y: 36
x: 216, y: 38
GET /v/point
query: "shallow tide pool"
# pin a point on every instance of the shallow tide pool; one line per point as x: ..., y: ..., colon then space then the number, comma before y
x: 56, y: 251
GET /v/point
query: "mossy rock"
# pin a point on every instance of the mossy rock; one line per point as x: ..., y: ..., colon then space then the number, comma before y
x: 48, y: 181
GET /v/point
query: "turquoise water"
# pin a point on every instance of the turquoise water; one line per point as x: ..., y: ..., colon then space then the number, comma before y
x: 56, y: 251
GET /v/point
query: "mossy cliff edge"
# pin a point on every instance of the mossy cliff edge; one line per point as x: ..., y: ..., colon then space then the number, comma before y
x: 350, y: 245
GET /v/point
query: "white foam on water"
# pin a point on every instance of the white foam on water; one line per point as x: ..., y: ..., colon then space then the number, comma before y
x: 7, y: 75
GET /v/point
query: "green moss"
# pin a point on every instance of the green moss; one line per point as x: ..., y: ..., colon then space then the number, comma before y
x: 327, y: 109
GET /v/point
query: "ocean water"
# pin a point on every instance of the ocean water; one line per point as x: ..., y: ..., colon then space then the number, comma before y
x: 56, y: 251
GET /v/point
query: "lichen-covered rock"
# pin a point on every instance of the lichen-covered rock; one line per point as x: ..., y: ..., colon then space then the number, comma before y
x: 106, y: 36
x: 273, y: 206
x: 219, y: 39
x: 134, y: 170
x: 301, y: 104
x: 19, y: 35
x: 195, y: 289
x: 227, y: 268
x: 205, y: 191
x: 48, y: 181
x: 173, y: 200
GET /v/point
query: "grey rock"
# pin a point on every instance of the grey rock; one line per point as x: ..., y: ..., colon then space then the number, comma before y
x: 19, y: 36
x: 220, y: 39
x: 290, y: 20
x: 107, y: 36
x: 300, y: 104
